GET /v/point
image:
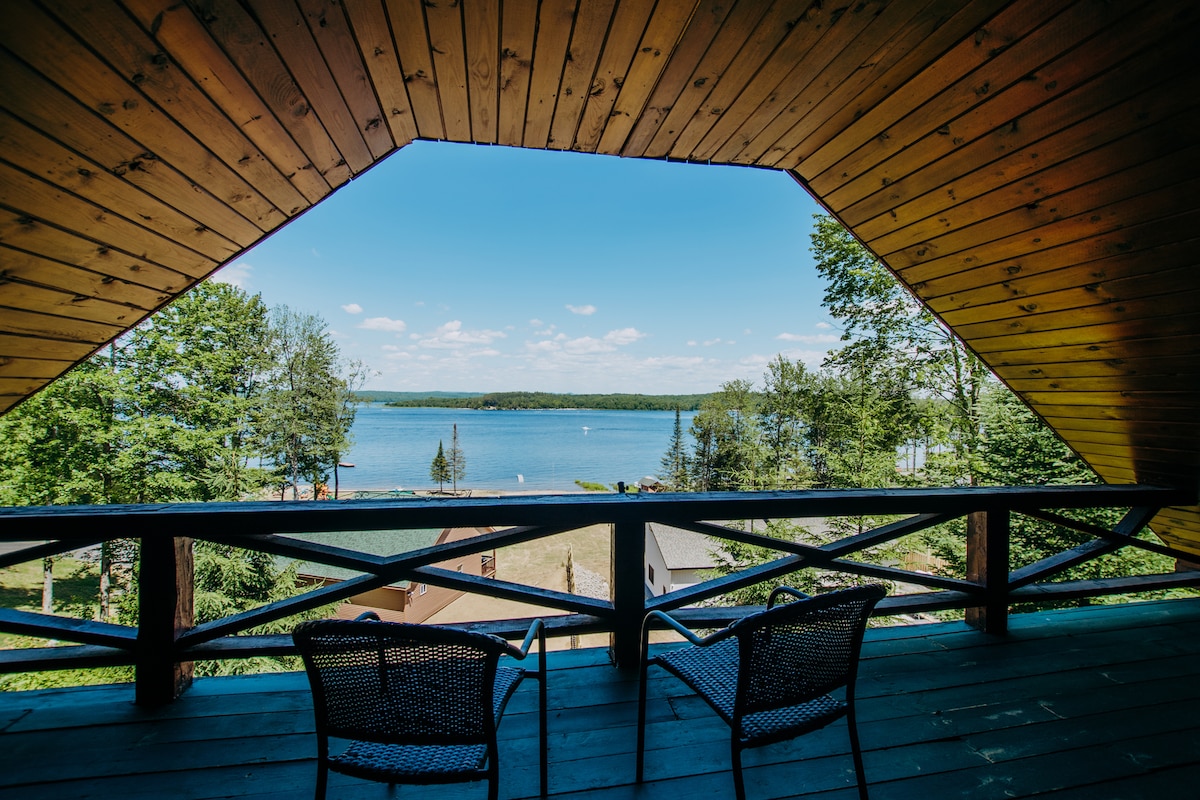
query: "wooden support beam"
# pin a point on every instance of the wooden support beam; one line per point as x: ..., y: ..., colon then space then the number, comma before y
x: 165, y: 611
x: 628, y: 588
x: 987, y: 566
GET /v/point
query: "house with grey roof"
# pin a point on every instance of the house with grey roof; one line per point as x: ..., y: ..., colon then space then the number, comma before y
x: 676, y: 558
x: 402, y: 601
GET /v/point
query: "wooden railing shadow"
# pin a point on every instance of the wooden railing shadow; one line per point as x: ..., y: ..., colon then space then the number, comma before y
x: 166, y: 641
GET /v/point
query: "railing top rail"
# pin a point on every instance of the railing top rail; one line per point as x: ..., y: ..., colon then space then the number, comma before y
x: 262, y: 517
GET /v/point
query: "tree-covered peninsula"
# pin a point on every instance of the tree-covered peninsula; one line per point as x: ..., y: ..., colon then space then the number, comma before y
x: 525, y: 400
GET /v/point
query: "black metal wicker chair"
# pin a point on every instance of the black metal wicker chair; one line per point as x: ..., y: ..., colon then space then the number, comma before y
x: 770, y: 674
x: 419, y: 704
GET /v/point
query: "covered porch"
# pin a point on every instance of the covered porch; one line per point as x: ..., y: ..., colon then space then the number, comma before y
x: 1083, y: 703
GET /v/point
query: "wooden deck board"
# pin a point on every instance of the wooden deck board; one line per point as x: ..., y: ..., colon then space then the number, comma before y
x: 1099, y: 702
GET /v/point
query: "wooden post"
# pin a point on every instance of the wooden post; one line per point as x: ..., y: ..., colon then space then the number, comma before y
x: 628, y: 591
x: 987, y: 565
x: 165, y: 610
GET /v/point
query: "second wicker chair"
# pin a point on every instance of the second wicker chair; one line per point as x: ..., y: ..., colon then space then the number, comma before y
x: 769, y: 675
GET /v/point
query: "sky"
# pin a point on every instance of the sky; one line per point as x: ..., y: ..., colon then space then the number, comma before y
x: 468, y: 268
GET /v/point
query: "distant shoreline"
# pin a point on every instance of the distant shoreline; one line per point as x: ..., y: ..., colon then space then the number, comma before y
x: 527, y: 401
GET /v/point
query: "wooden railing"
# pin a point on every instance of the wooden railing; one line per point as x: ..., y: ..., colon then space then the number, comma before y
x: 165, y: 642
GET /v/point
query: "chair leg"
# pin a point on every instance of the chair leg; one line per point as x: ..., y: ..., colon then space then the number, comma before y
x: 641, y: 729
x: 735, y: 759
x: 543, y: 742
x: 856, y: 751
x: 322, y: 778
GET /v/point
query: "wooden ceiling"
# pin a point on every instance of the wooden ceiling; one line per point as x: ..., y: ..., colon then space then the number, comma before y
x: 1028, y: 168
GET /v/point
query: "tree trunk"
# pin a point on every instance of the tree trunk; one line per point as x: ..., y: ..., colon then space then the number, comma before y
x: 105, y: 580
x: 48, y: 585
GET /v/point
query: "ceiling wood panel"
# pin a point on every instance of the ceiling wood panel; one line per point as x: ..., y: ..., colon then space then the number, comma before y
x: 555, y: 21
x: 517, y: 29
x: 35, y: 38
x: 445, y: 30
x: 481, y: 30
x: 708, y: 21
x: 771, y: 30
x: 583, y: 56
x: 807, y: 50
x: 1027, y: 167
x: 368, y: 18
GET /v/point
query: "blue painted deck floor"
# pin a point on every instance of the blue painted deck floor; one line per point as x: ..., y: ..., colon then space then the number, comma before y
x: 1101, y: 702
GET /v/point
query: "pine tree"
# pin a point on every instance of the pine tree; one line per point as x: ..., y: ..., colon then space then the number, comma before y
x: 676, y: 463
x: 439, y: 470
x: 456, y: 460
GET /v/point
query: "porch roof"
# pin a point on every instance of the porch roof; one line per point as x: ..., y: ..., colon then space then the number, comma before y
x: 1027, y: 167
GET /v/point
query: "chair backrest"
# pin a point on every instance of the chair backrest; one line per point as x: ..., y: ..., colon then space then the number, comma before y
x: 801, y: 650
x: 400, y: 683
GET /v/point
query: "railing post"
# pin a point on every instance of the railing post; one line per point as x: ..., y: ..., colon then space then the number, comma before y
x: 165, y: 610
x: 628, y: 591
x: 987, y: 565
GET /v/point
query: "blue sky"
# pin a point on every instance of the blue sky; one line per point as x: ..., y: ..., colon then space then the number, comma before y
x: 469, y: 268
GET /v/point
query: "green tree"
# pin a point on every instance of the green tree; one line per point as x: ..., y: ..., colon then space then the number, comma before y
x: 199, y: 368
x: 439, y: 470
x: 782, y: 424
x: 456, y: 460
x: 676, y: 463
x: 727, y: 451
x: 887, y: 332
x: 1018, y: 449
x: 310, y: 406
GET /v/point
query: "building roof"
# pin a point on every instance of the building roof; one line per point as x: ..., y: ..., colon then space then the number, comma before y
x: 1028, y: 168
x: 376, y: 543
x: 684, y: 549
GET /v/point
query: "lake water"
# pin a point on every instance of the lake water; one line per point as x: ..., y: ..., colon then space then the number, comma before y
x: 535, y: 450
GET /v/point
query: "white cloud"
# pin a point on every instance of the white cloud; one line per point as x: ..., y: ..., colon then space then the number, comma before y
x: 235, y: 275
x: 624, y: 336
x: 822, y: 326
x: 711, y: 342
x: 536, y: 323
x: 585, y: 311
x: 383, y: 324
x: 452, y: 336
x: 352, y: 308
x: 808, y: 338
x: 588, y: 344
x: 692, y: 343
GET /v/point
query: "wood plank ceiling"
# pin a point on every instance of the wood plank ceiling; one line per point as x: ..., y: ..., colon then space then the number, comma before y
x: 1028, y: 168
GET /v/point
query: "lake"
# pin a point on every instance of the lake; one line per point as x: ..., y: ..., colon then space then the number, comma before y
x: 531, y: 450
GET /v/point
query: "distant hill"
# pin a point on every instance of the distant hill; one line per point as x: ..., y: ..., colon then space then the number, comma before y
x: 404, y: 397
x: 518, y: 400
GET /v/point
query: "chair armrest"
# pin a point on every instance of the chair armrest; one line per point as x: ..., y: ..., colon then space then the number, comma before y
x: 683, y: 630
x: 778, y: 590
x: 537, y: 628
x: 367, y: 615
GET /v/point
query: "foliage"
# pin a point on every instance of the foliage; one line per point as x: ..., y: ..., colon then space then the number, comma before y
x: 456, y: 460
x: 526, y: 400
x: 208, y: 400
x: 900, y: 388
x: 891, y: 336
x: 439, y: 470
x: 727, y: 450
x: 676, y: 462
x: 735, y: 556
x: 592, y: 486
x: 310, y: 404
x: 1018, y: 449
